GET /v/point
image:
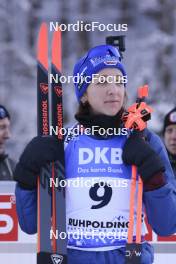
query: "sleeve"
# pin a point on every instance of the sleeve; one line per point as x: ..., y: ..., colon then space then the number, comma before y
x: 160, y: 204
x: 26, y: 204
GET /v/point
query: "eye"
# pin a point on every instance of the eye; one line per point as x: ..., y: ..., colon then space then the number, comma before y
x: 102, y: 80
x: 169, y: 130
x: 119, y: 80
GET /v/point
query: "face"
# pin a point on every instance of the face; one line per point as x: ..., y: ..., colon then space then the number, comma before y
x: 105, y: 97
x: 170, y: 139
x: 4, y: 133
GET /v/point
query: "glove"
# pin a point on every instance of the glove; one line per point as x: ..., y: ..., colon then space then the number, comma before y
x: 39, y: 152
x: 138, y: 152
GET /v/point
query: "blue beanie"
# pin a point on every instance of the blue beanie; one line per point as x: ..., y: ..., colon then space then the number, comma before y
x: 96, y: 59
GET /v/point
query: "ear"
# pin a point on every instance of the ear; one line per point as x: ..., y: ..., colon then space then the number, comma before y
x: 84, y: 98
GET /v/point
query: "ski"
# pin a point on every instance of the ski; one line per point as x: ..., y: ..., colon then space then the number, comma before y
x: 59, y: 203
x: 51, y: 200
x: 43, y: 190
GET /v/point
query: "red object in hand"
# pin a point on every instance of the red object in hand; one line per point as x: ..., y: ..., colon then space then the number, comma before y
x: 139, y: 113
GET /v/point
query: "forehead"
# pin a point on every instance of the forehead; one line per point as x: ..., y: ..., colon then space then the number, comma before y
x: 4, y: 122
x: 110, y: 71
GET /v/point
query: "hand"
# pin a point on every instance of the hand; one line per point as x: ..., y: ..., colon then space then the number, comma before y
x: 138, y: 152
x: 39, y: 151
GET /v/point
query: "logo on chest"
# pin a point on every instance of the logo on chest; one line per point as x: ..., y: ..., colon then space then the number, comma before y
x: 100, y: 155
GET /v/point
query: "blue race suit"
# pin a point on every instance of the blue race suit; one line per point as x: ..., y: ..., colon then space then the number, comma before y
x: 92, y: 209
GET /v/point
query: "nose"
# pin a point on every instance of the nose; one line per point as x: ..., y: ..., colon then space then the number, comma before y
x: 112, y: 89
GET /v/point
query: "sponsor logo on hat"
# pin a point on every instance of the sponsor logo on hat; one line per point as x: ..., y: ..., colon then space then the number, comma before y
x: 107, y: 60
x: 81, y: 78
x: 173, y: 117
x: 110, y: 60
x: 81, y: 81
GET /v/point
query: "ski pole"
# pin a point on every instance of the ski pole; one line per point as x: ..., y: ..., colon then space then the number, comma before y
x: 135, y: 118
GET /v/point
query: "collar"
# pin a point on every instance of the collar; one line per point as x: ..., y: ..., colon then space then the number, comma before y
x: 3, y: 157
x: 172, y: 158
x: 102, y: 121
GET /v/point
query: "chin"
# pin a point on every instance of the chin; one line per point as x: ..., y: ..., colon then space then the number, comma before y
x: 111, y: 113
x: 173, y: 151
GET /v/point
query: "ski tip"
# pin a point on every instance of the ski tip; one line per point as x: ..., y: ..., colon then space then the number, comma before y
x: 56, y: 50
x: 42, y: 47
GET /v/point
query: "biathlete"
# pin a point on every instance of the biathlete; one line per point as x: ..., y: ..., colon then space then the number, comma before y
x: 103, y: 159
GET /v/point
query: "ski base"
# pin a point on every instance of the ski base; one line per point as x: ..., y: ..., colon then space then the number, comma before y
x: 51, y: 258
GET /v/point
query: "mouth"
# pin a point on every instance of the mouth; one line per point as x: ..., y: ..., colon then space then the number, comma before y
x: 173, y: 146
x: 111, y: 101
